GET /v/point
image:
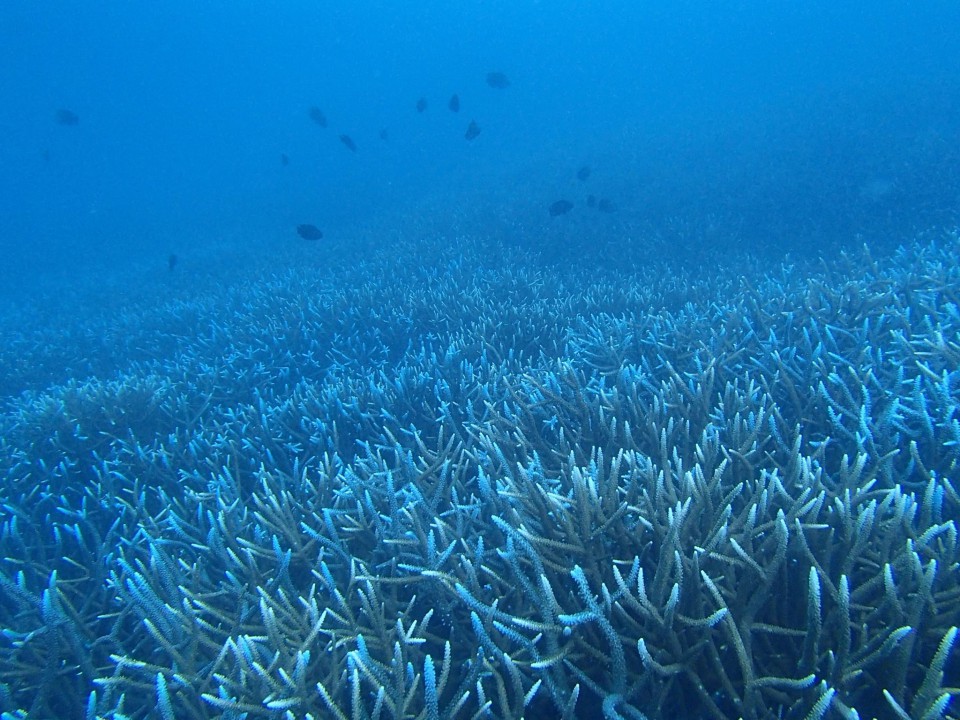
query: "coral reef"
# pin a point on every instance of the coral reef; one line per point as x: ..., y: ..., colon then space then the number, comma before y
x: 464, y: 489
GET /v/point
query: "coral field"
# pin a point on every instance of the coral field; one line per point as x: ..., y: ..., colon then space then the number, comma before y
x: 473, y: 488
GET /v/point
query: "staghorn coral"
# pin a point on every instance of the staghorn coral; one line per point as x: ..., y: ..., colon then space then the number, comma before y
x: 487, y: 492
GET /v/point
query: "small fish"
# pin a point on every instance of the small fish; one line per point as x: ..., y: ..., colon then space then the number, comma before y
x: 172, y: 262
x: 309, y: 232
x: 583, y: 173
x: 560, y: 207
x: 67, y: 117
x: 384, y: 135
x: 284, y: 159
x: 421, y: 104
x: 454, y: 103
x: 316, y: 114
x: 498, y: 80
x: 606, y: 206
x: 472, y: 130
x: 591, y: 200
x: 348, y: 143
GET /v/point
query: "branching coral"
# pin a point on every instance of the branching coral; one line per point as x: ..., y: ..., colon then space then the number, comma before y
x: 435, y: 505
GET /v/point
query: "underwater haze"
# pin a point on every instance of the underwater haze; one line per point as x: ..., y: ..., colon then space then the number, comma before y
x: 788, y: 123
x: 488, y: 359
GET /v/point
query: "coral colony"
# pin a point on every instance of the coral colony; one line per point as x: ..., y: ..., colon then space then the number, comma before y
x: 465, y: 489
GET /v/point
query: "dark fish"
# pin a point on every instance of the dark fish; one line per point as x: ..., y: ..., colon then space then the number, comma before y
x: 67, y: 117
x: 384, y: 135
x: 583, y: 173
x: 316, y: 114
x: 284, y: 159
x: 454, y: 103
x: 560, y: 207
x: 172, y: 262
x: 309, y: 232
x: 606, y: 206
x: 498, y: 80
x: 421, y: 104
x: 349, y: 143
x: 472, y: 130
x: 591, y: 200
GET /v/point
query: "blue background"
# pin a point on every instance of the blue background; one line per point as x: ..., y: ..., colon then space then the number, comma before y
x: 783, y: 124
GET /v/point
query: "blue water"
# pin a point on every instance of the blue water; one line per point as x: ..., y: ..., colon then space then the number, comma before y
x: 699, y: 262
x: 791, y: 122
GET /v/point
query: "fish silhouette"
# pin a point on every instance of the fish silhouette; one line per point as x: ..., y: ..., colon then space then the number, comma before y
x: 498, y: 80
x: 472, y: 130
x: 67, y: 117
x: 421, y: 104
x: 309, y: 232
x: 172, y: 262
x: 348, y: 143
x: 560, y: 207
x: 583, y: 173
x: 454, y: 103
x: 316, y: 114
